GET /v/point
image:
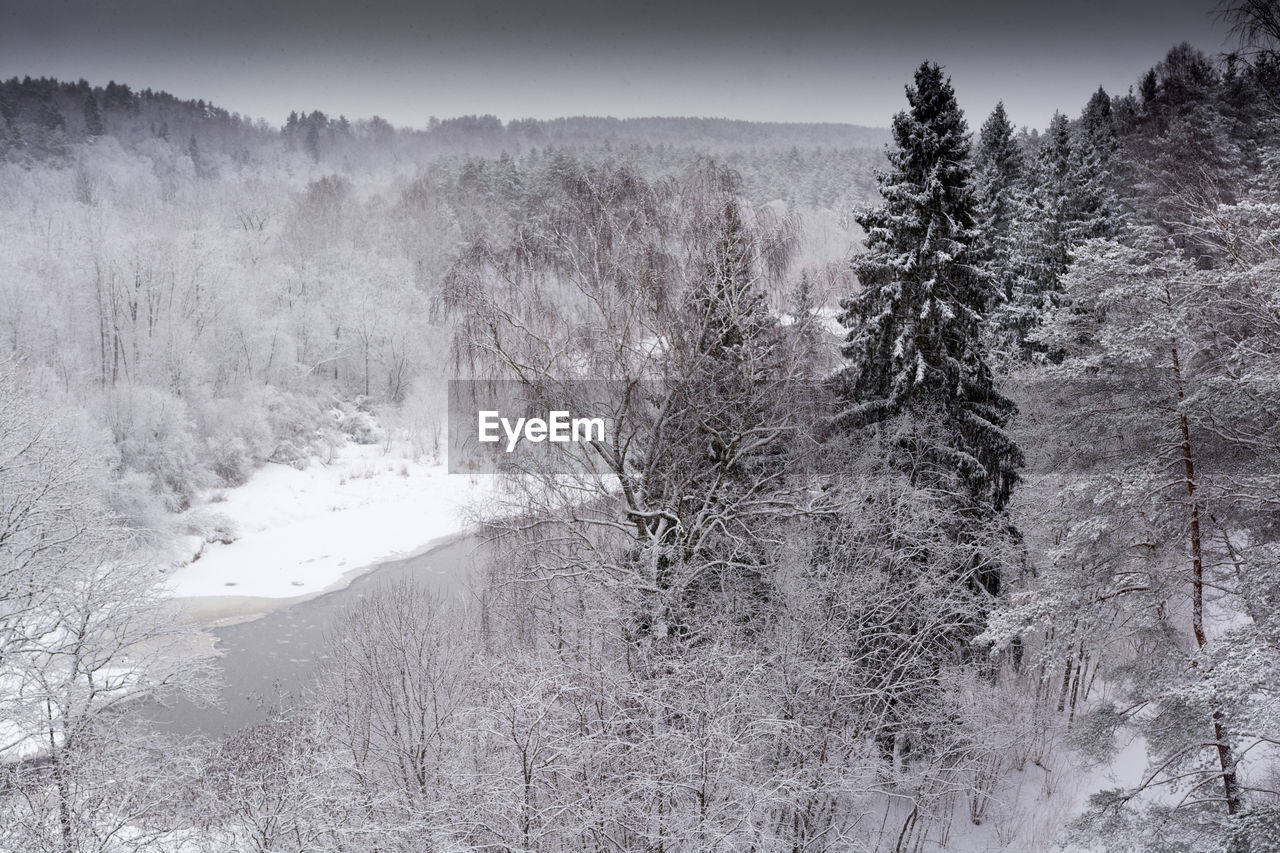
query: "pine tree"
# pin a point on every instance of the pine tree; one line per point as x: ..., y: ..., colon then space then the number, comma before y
x: 1069, y: 196
x: 193, y: 152
x: 1148, y: 88
x: 914, y: 341
x: 732, y: 350
x: 1096, y: 124
x: 1098, y: 209
x: 999, y: 170
x: 51, y: 117
x: 805, y: 331
x: 728, y: 301
x: 1048, y: 231
x: 312, y: 142
x: 93, y: 124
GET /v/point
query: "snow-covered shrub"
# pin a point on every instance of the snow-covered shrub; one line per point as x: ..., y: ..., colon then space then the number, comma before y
x: 356, y: 423
x: 297, y: 426
x: 292, y: 454
x: 209, y: 526
x: 230, y: 458
x: 237, y: 437
x: 134, y: 504
x: 156, y: 436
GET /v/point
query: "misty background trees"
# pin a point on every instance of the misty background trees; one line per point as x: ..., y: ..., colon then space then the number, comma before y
x: 945, y: 473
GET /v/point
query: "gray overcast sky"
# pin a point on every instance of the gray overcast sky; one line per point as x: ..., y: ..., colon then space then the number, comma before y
x: 406, y: 61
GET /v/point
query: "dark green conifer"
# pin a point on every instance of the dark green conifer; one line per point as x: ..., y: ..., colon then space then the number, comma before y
x: 93, y: 124
x: 914, y: 345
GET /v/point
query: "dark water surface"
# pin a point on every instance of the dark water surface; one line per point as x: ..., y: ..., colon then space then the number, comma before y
x: 275, y: 655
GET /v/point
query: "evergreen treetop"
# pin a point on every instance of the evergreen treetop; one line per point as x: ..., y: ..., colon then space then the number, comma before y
x: 914, y: 341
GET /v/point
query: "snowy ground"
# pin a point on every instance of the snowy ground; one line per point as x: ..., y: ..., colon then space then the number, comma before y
x: 299, y: 533
x: 1032, y: 808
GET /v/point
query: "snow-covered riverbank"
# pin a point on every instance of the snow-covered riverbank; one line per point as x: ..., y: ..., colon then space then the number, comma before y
x: 301, y: 532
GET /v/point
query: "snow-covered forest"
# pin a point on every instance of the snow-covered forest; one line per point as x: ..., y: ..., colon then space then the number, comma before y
x: 942, y: 511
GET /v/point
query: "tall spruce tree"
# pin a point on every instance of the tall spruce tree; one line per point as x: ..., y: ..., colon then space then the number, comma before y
x: 1097, y: 126
x: 914, y: 343
x: 999, y: 172
x: 1099, y: 209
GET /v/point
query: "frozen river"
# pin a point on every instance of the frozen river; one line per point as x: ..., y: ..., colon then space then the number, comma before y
x: 275, y: 655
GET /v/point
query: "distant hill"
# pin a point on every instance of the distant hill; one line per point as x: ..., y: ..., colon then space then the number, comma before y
x: 713, y: 133
x: 41, y: 117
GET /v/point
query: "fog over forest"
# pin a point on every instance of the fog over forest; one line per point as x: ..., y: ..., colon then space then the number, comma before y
x: 935, y: 504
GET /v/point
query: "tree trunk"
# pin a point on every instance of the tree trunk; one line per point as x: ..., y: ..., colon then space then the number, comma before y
x: 60, y: 783
x: 1226, y: 762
